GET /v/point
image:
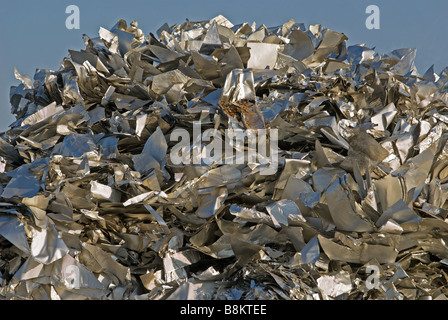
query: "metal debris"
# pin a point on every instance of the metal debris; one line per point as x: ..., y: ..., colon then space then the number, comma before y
x: 93, y: 207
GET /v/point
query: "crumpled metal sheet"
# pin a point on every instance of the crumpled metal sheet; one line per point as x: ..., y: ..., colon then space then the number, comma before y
x: 92, y: 207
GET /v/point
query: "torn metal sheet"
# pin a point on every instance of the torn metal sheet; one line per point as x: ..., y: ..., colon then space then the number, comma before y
x: 335, y: 285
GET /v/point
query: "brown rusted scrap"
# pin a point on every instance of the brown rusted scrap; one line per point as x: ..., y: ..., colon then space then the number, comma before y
x: 245, y: 111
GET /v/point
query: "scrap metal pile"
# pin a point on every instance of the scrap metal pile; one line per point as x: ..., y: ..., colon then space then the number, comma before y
x: 93, y: 207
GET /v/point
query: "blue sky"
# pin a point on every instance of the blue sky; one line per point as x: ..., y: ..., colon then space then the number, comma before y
x: 33, y: 33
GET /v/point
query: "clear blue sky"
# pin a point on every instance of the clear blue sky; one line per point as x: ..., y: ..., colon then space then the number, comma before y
x: 33, y: 33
